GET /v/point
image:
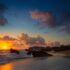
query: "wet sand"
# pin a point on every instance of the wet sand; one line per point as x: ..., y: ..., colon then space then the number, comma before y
x: 43, y: 63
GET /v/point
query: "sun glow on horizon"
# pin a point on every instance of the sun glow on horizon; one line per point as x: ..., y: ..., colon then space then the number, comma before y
x: 4, y: 45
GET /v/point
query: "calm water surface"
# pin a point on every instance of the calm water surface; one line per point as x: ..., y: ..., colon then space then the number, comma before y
x: 50, y: 63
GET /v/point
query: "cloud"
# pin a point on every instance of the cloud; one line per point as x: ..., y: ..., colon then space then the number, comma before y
x: 31, y: 41
x: 54, y: 44
x: 65, y: 29
x: 45, y: 18
x: 65, y: 21
x: 39, y: 41
x: 7, y: 38
x: 39, y: 15
x: 48, y: 19
x: 3, y: 20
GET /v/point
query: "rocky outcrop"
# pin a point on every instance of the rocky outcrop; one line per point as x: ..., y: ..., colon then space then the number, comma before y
x: 14, y: 51
x: 40, y: 54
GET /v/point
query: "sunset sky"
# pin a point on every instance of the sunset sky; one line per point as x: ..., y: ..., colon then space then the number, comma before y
x: 48, y: 18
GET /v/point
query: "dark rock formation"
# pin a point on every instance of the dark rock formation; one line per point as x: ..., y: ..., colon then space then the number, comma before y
x: 14, y: 51
x: 40, y: 54
x: 37, y: 52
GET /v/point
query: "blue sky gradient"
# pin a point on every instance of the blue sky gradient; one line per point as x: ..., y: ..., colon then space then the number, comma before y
x: 20, y: 20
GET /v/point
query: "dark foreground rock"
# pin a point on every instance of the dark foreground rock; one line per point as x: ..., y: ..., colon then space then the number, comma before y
x: 14, y: 51
x: 38, y: 53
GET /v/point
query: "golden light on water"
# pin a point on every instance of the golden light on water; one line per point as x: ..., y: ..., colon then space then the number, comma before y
x: 6, y: 67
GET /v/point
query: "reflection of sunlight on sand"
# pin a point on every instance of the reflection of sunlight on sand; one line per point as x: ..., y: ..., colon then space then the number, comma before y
x: 6, y: 67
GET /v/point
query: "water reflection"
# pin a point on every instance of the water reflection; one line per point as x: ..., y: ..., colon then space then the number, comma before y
x: 6, y: 67
x: 67, y: 57
x: 50, y: 63
x: 16, y: 65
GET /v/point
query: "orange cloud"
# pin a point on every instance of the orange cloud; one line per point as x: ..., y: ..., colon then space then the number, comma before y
x: 6, y: 38
x: 22, y: 42
x: 40, y: 15
x: 6, y: 42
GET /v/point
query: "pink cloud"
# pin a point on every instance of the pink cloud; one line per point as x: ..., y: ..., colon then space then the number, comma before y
x: 3, y: 21
x: 40, y: 15
x: 45, y: 18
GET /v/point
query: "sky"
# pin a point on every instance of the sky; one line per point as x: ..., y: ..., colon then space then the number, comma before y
x: 48, y: 18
